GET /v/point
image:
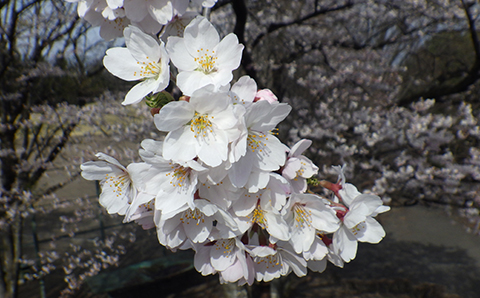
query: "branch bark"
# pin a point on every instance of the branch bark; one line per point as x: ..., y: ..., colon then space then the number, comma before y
x: 440, y: 90
x: 276, y: 26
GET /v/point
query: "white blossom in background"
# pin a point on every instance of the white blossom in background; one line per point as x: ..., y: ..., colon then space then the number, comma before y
x: 177, y: 25
x: 162, y: 11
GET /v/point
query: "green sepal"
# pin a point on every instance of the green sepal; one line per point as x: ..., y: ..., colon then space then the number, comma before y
x: 159, y: 99
x: 313, y: 181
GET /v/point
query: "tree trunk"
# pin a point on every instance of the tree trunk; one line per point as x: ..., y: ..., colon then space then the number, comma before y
x: 11, y: 236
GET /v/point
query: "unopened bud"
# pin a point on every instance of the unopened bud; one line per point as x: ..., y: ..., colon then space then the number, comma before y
x: 265, y: 94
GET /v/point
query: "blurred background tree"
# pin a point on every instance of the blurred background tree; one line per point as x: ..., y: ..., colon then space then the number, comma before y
x: 50, y: 68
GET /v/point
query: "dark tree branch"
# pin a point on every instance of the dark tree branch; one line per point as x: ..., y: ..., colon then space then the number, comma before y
x: 35, y: 176
x: 60, y: 185
x: 439, y: 89
x: 241, y: 13
x: 276, y: 26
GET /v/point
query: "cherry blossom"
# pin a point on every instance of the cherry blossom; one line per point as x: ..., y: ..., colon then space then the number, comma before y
x: 201, y: 58
x: 358, y: 224
x: 202, y: 127
x: 298, y: 167
x: 117, y: 182
x: 220, y: 181
x: 264, y: 151
x: 172, y: 183
x: 306, y: 214
x: 143, y: 59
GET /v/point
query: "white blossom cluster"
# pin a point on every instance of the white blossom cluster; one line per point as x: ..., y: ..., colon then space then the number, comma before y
x: 112, y: 16
x: 220, y: 182
x: 408, y: 154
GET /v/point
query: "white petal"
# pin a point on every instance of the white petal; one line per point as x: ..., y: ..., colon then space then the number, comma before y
x: 215, y: 151
x: 348, y: 193
x: 180, y: 145
x: 278, y: 112
x: 97, y: 170
x: 162, y: 13
x: 201, y: 261
x: 296, y: 263
x: 120, y: 63
x: 223, y: 254
x: 276, y: 226
x: 142, y: 46
x: 345, y: 244
x: 302, y: 238
x: 234, y: 272
x: 300, y: 147
x: 198, y: 232
x: 317, y: 266
x: 291, y: 167
x: 173, y: 116
x: 139, y: 91
x: 271, y: 157
x: 190, y: 81
x: 240, y: 171
x: 135, y: 10
x: 257, y: 180
x: 363, y: 206
x: 229, y: 52
x: 245, y: 89
x: 373, y: 233
x: 179, y: 54
x: 200, y: 33
x: 115, y: 199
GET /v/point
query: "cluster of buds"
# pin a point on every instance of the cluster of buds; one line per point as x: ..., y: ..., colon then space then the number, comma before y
x: 220, y: 182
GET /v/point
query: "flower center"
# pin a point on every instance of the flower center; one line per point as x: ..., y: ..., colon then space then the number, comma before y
x: 258, y: 217
x: 359, y: 228
x: 226, y: 245
x: 206, y: 61
x: 270, y: 261
x: 302, y: 216
x: 119, y: 183
x: 201, y: 125
x: 196, y: 217
x: 301, y: 171
x: 179, y: 175
x: 149, y: 70
x: 256, y: 141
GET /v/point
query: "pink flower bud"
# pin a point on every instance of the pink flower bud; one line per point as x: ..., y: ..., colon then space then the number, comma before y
x: 265, y: 94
